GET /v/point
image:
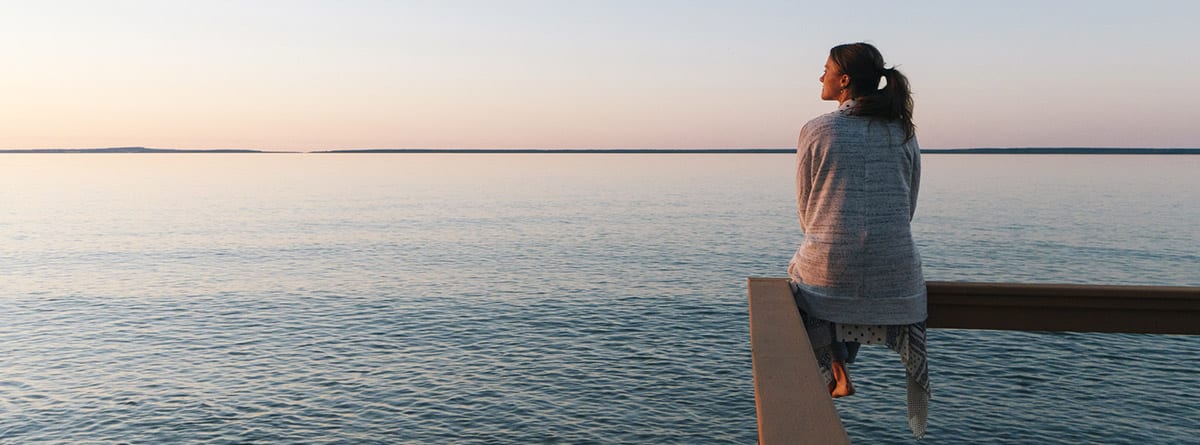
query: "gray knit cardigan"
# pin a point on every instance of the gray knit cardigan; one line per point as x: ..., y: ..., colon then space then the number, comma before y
x: 856, y: 191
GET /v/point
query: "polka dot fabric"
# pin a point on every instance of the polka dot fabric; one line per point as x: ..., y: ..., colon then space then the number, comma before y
x: 867, y: 334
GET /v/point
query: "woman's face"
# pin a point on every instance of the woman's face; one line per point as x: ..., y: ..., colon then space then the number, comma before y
x: 833, y: 82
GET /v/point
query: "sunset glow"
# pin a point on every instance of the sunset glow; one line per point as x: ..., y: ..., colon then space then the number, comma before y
x: 550, y: 74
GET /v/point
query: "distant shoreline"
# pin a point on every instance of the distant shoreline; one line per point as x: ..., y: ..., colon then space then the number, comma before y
x: 568, y: 150
x: 132, y: 150
x: 1066, y: 151
x: 1023, y: 150
x: 1031, y: 150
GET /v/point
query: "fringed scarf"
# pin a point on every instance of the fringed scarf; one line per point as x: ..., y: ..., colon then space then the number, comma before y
x: 906, y: 340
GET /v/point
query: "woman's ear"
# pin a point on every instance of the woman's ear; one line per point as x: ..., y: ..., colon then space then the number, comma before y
x: 844, y: 81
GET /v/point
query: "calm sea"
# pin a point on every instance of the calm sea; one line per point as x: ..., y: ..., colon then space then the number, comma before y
x: 477, y: 299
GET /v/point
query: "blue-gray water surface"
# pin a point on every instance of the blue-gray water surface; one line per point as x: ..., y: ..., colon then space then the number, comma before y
x: 477, y: 299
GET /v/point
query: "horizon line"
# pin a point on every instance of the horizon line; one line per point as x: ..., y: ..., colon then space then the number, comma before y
x: 974, y: 150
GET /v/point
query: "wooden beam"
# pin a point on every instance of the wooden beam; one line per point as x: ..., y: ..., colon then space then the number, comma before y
x: 1061, y: 307
x: 793, y: 402
x: 1064, y: 307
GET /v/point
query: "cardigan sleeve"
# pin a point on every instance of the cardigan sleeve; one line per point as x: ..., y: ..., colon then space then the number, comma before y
x: 803, y: 185
x: 812, y: 136
x: 915, y: 180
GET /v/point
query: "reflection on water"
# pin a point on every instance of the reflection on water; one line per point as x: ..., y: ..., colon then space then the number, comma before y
x: 542, y: 298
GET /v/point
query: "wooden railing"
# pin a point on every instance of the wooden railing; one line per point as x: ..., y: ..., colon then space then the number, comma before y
x: 794, y: 406
x: 1064, y: 307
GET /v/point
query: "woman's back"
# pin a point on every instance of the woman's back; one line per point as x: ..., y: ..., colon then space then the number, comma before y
x: 857, y: 183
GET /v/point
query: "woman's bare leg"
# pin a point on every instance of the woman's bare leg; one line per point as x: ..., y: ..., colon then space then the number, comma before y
x: 841, y: 386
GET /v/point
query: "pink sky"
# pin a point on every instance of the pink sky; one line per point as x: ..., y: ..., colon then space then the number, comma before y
x: 545, y: 74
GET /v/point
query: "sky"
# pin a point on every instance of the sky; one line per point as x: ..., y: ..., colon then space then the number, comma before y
x: 315, y: 75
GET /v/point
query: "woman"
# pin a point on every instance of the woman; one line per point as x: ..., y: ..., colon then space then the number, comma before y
x: 857, y: 276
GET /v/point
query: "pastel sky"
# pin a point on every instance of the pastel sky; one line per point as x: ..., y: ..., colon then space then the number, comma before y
x: 311, y: 75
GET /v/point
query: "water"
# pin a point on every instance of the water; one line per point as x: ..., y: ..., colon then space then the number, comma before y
x: 543, y: 298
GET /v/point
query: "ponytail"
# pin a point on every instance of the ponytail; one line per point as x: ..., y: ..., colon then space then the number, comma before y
x: 864, y: 64
x: 892, y: 102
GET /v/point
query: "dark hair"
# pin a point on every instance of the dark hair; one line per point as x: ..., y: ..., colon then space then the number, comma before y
x: 864, y: 64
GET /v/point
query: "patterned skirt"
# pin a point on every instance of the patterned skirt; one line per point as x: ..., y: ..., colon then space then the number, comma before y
x: 907, y: 340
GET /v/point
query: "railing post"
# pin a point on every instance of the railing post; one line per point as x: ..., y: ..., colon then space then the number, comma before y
x: 790, y: 395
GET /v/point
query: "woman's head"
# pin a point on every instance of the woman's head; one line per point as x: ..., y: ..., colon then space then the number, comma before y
x: 859, y: 68
x: 854, y: 71
x: 834, y: 82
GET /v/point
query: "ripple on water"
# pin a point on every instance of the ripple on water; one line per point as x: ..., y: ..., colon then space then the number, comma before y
x: 386, y: 305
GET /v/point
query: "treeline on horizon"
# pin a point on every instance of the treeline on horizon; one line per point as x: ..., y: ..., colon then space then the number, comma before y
x: 1014, y: 150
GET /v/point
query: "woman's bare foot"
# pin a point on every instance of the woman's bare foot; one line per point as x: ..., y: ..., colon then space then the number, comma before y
x: 841, y: 386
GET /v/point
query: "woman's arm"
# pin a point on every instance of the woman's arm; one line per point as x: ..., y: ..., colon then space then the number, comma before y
x: 803, y: 177
x: 915, y: 181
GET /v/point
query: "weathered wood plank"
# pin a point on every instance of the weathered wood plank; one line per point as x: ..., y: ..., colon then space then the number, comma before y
x: 1061, y: 307
x: 793, y: 403
x: 1064, y: 307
